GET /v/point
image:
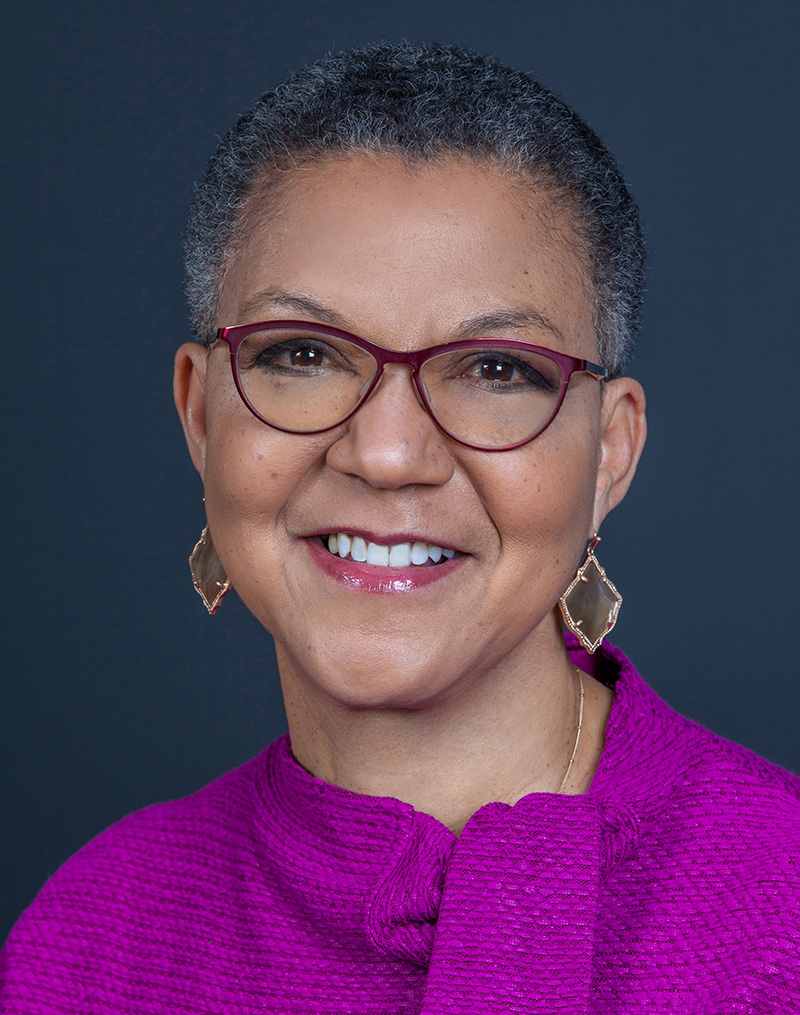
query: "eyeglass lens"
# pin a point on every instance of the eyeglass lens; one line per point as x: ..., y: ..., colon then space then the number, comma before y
x: 485, y: 395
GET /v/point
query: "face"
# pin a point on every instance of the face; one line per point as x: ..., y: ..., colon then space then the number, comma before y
x: 406, y: 259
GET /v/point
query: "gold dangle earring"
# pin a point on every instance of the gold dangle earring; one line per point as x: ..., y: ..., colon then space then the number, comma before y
x: 209, y: 576
x: 590, y: 606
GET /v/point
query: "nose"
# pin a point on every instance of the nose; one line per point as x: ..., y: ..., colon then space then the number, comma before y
x: 392, y: 442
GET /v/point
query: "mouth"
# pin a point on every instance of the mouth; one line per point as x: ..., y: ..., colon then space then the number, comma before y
x: 348, y: 546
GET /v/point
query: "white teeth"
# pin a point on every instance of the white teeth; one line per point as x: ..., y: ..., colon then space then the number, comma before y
x: 399, y: 555
x: 419, y: 553
x: 396, y: 555
x: 377, y: 554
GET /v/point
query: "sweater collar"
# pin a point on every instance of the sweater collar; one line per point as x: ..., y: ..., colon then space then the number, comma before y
x: 374, y: 866
x: 311, y: 804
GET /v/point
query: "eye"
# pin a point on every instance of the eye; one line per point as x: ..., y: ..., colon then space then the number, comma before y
x: 305, y: 356
x: 495, y: 370
x: 274, y: 352
x: 504, y: 372
x: 288, y: 354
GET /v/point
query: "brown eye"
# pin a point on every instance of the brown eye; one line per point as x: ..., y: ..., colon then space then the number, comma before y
x: 496, y: 370
x: 306, y: 356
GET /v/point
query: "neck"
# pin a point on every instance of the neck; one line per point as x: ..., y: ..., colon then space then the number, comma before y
x: 506, y: 735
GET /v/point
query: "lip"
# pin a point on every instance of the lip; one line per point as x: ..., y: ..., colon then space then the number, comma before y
x: 375, y: 578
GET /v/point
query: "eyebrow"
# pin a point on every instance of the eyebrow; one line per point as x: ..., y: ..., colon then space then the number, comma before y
x: 479, y: 326
x: 507, y: 320
x: 293, y: 301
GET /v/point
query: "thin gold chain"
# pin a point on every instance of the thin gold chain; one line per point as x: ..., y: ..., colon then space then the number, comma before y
x: 564, y: 781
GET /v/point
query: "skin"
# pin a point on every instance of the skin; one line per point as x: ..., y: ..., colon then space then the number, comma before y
x: 461, y: 692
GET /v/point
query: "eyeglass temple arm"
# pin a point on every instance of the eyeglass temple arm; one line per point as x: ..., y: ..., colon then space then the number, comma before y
x: 597, y: 371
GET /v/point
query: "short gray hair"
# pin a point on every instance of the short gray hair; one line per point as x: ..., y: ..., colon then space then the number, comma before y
x: 423, y: 103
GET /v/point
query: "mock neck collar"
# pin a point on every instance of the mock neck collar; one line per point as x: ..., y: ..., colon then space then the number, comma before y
x: 323, y: 806
x: 374, y: 866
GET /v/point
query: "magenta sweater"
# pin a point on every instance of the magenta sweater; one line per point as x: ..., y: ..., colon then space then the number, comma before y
x: 672, y: 886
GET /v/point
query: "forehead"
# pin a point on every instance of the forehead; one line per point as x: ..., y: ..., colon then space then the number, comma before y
x: 405, y: 254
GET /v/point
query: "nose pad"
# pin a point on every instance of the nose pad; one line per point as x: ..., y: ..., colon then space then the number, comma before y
x: 418, y: 383
x: 386, y: 375
x: 392, y: 369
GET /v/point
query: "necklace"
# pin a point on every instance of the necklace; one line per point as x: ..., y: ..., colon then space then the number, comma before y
x: 563, y: 785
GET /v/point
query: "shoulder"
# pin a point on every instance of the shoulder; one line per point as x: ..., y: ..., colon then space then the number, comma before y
x: 202, y: 827
x: 703, y: 850
x: 657, y: 759
x: 209, y: 821
x: 173, y: 865
x: 709, y: 794
x: 704, y: 815
x: 681, y: 761
x: 698, y: 802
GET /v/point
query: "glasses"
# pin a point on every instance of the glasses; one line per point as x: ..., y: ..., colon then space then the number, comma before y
x: 491, y: 394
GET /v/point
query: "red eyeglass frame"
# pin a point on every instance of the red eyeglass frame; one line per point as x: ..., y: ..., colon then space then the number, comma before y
x: 567, y: 365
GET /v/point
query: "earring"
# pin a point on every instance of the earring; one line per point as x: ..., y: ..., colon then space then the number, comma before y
x: 208, y: 574
x: 590, y: 606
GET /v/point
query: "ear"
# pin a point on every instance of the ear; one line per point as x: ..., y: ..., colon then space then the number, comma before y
x: 189, y: 388
x: 624, y: 429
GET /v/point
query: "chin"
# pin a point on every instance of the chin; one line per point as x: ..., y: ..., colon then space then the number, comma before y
x: 382, y: 698
x: 409, y: 681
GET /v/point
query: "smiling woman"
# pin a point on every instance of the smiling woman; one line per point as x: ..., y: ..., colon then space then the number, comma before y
x: 416, y: 277
x: 460, y: 242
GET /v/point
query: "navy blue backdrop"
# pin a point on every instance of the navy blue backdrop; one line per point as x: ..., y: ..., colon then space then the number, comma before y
x: 118, y: 690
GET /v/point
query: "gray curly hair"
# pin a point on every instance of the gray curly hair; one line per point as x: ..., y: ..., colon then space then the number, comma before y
x: 424, y: 103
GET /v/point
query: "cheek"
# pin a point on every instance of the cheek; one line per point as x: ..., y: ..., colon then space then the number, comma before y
x: 542, y: 506
x: 251, y: 474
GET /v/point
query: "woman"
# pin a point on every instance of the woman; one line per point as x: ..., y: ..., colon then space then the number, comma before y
x: 417, y: 276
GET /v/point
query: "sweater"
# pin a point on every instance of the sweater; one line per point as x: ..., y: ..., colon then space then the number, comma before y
x: 673, y: 885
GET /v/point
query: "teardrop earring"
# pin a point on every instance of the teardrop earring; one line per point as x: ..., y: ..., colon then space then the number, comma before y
x: 209, y: 576
x: 590, y: 605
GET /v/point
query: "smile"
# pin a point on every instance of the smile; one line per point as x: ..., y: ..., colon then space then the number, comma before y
x: 362, y: 551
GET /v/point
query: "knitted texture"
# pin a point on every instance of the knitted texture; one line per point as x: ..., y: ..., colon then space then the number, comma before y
x: 673, y: 885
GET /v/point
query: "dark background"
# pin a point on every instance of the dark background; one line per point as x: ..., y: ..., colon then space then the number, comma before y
x: 118, y: 689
